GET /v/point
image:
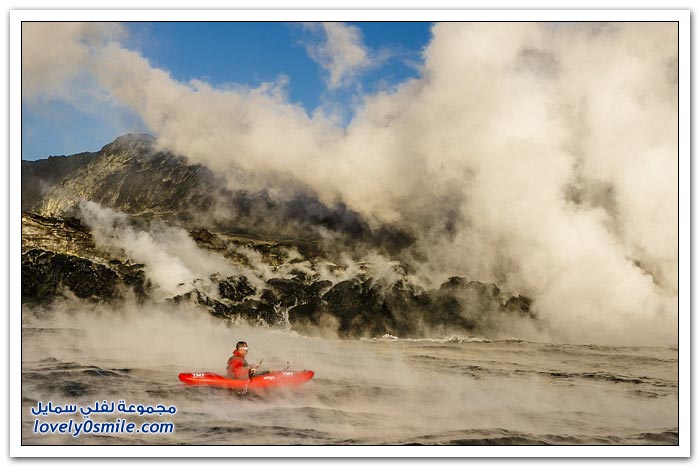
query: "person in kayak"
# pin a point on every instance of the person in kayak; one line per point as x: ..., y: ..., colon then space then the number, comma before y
x: 237, y: 366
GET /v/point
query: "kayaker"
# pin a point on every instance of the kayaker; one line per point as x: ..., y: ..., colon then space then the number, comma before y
x: 237, y: 366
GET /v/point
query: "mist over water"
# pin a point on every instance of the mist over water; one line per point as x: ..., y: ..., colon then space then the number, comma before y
x: 450, y: 390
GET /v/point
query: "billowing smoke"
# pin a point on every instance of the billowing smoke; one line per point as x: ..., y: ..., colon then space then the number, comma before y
x: 173, y: 261
x: 539, y: 156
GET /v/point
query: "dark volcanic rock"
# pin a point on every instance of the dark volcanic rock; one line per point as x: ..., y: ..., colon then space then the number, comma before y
x: 45, y: 274
x: 257, y: 312
x: 470, y: 300
x: 60, y: 253
x: 362, y: 307
x: 250, y: 310
x: 415, y: 310
x: 519, y: 304
x: 479, y: 305
x: 310, y: 313
x: 359, y: 307
x: 235, y: 288
x: 39, y: 177
x: 293, y: 292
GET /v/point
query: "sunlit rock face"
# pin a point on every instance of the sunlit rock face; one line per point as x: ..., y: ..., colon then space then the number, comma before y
x: 134, y: 176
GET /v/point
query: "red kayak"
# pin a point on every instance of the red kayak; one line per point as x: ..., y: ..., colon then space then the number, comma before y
x: 273, y: 379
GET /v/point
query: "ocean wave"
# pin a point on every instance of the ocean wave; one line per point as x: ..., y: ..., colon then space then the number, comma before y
x: 609, y: 377
x: 502, y: 437
x: 452, y: 339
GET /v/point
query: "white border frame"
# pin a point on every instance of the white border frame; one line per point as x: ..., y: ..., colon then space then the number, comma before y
x: 17, y: 16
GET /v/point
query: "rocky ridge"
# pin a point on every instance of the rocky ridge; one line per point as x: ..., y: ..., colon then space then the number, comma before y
x: 133, y: 175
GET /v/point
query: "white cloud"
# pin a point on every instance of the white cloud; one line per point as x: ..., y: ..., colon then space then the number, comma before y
x: 341, y: 52
x: 55, y: 54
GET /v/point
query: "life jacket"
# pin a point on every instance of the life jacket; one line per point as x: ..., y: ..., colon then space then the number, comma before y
x: 237, y: 366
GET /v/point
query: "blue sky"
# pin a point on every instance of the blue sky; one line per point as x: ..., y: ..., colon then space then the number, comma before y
x: 222, y: 53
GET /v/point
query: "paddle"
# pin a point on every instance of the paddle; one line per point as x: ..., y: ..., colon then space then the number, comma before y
x: 250, y: 375
x: 252, y: 370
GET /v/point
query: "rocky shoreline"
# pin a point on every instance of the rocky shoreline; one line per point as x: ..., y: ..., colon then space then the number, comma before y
x: 59, y: 257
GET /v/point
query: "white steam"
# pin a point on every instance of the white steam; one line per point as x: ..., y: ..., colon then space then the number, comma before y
x: 539, y: 156
x: 54, y: 55
x: 342, y: 53
x: 173, y: 261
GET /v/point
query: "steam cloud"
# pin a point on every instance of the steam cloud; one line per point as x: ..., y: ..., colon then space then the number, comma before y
x: 539, y: 156
x: 342, y: 54
x: 173, y: 260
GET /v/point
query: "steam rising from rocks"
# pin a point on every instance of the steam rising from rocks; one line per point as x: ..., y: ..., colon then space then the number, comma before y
x: 173, y: 260
x: 542, y: 157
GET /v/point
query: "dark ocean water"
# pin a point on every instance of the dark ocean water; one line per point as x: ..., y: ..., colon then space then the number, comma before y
x: 443, y: 391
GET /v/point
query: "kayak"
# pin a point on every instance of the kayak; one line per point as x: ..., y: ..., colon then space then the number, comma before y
x: 272, y: 379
